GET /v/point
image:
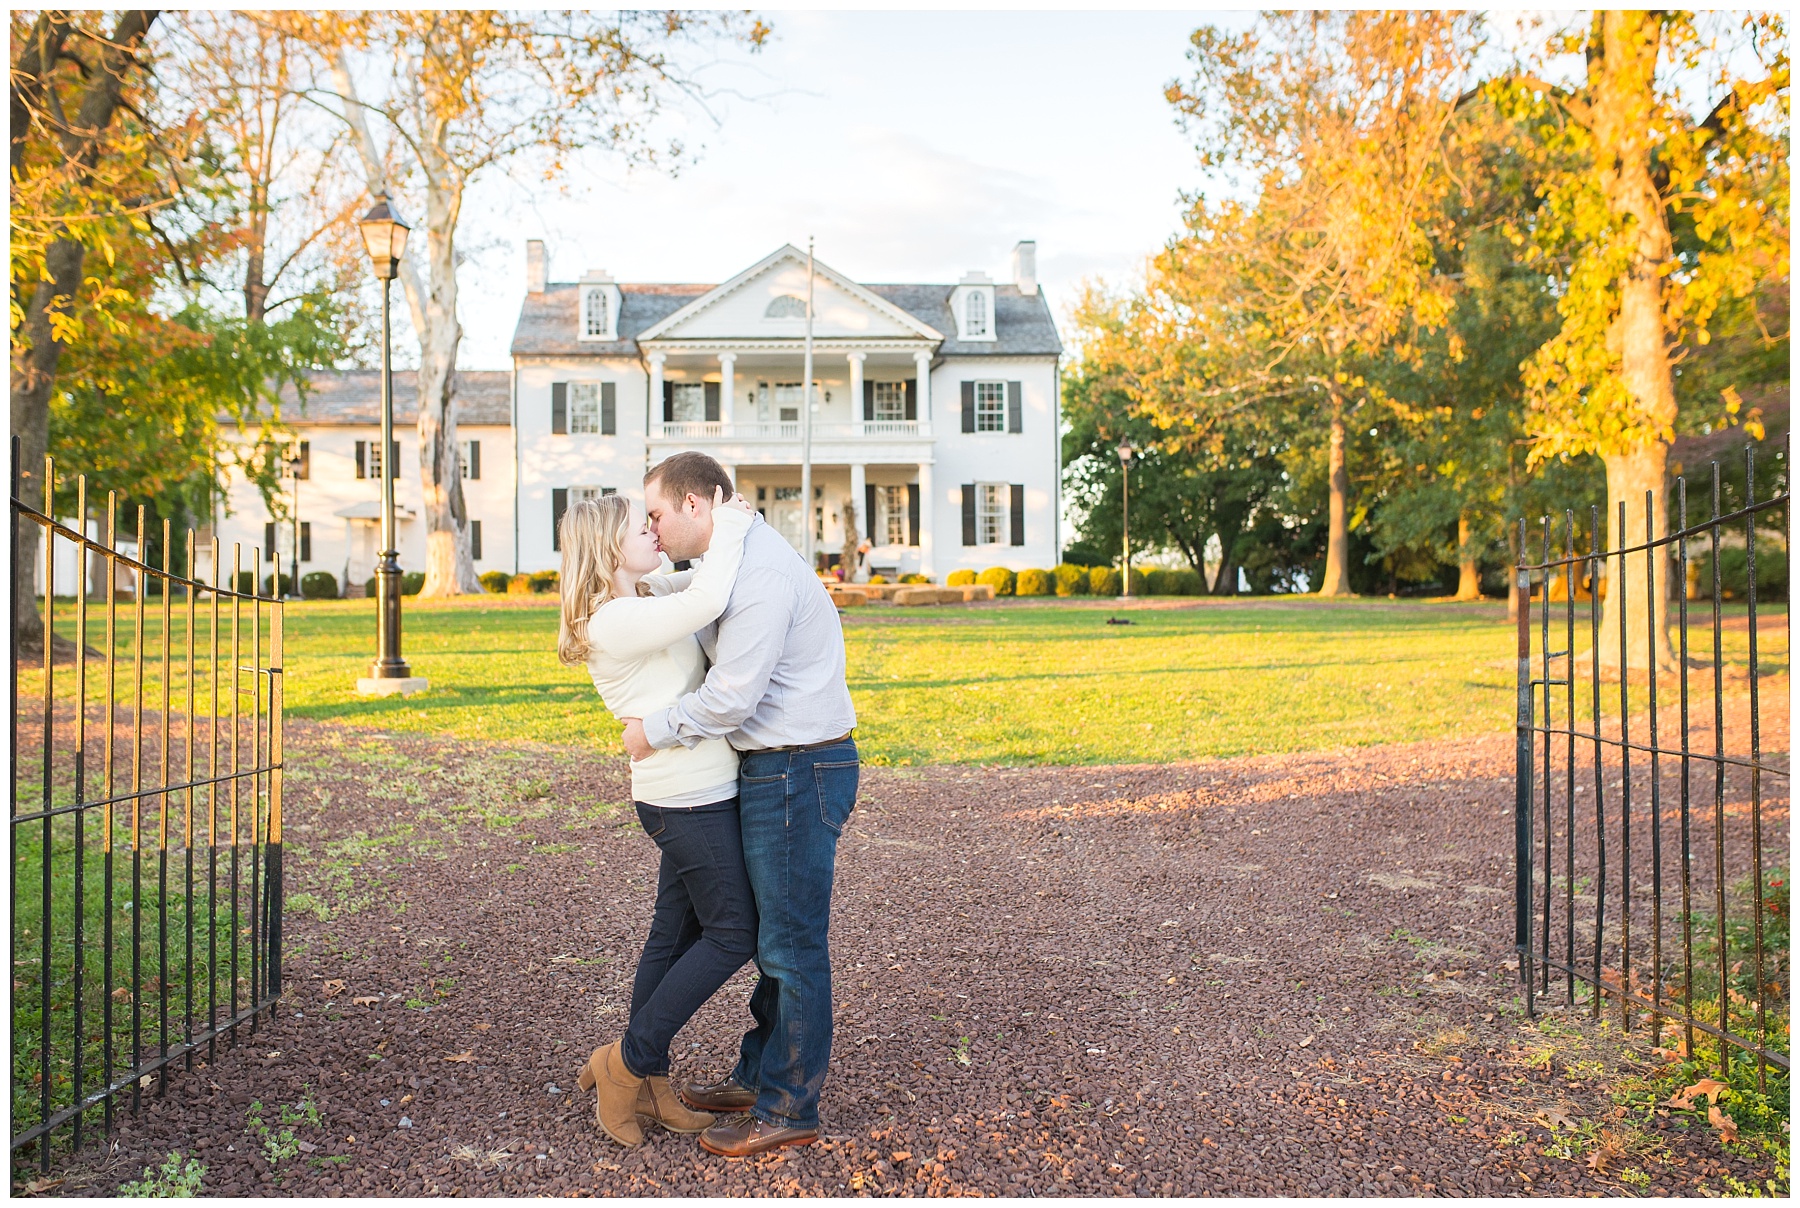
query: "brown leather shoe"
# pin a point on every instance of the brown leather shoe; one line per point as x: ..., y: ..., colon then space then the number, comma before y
x: 725, y: 1095
x: 658, y: 1101
x: 746, y: 1135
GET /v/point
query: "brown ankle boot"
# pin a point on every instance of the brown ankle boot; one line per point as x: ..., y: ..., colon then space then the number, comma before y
x: 617, y: 1091
x: 658, y: 1101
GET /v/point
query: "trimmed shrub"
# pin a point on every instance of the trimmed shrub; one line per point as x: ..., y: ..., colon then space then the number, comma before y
x: 1071, y: 580
x: 544, y: 580
x: 246, y: 582
x: 319, y: 585
x: 276, y: 586
x: 1034, y: 583
x: 998, y: 578
x: 959, y: 578
x: 1139, y: 584
x: 877, y: 578
x: 519, y: 585
x: 1105, y: 581
x: 412, y: 582
x: 1156, y: 581
x: 1734, y: 572
x: 915, y: 577
x: 495, y: 581
x: 1186, y: 582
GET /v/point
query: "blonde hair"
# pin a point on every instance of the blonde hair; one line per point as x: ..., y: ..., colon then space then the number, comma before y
x: 592, y: 535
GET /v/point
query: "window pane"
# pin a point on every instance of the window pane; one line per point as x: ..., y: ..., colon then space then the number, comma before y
x: 991, y: 500
x: 596, y: 312
x: 689, y: 403
x: 890, y: 401
x: 584, y: 408
x: 893, y: 500
x: 990, y: 406
x: 976, y: 309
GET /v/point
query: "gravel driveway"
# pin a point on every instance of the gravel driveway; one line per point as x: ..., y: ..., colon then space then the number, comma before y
x: 1253, y: 976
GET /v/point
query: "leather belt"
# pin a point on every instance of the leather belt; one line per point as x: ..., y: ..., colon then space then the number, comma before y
x: 811, y: 746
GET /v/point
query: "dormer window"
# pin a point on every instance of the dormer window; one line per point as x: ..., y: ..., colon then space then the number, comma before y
x: 599, y: 318
x: 785, y: 306
x: 975, y: 313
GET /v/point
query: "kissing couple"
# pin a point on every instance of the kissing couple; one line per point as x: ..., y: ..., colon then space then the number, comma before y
x: 729, y: 680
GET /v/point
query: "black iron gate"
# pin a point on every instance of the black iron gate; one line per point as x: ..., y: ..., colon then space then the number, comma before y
x: 146, y: 807
x: 1672, y: 760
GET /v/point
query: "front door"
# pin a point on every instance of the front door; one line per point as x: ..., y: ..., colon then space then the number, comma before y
x: 786, y: 515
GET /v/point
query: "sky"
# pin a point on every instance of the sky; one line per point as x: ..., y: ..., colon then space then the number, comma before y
x: 912, y: 146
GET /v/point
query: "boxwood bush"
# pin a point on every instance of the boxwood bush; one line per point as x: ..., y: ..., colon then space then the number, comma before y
x: 915, y: 577
x: 1071, y: 580
x: 495, y: 581
x: 960, y: 578
x: 1186, y: 582
x: 998, y: 578
x: 319, y: 585
x: 276, y: 586
x: 412, y: 582
x: 519, y: 585
x: 1104, y: 581
x: 544, y: 580
x: 1034, y: 583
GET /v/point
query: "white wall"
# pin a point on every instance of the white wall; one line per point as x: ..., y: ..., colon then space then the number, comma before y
x: 1028, y: 457
x: 548, y: 461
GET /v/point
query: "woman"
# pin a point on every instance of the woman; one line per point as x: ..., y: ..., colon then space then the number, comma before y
x: 634, y: 628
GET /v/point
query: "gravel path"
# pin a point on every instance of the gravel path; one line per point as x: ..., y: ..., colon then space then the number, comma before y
x: 1252, y: 976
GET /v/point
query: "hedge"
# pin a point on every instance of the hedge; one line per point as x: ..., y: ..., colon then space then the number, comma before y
x: 1034, y: 583
x: 1071, y: 580
x: 495, y: 581
x: 319, y: 585
x: 998, y: 578
x: 412, y: 582
x: 274, y: 586
x: 519, y: 585
x: 544, y: 580
x: 915, y: 578
x: 960, y: 578
x: 1104, y: 581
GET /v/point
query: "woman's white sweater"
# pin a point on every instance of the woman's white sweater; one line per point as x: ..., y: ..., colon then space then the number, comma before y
x: 644, y: 656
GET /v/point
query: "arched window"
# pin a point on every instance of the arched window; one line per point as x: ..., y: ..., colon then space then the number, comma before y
x: 975, y: 313
x: 786, y: 306
x: 595, y: 301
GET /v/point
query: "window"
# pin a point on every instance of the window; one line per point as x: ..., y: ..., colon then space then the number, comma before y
x: 787, y: 403
x: 584, y: 408
x: 302, y: 454
x: 306, y: 541
x: 890, y: 401
x: 577, y: 494
x: 893, y: 515
x: 990, y: 512
x: 687, y: 403
x: 368, y: 459
x: 975, y: 313
x: 474, y: 540
x: 786, y: 307
x: 990, y: 406
x: 787, y: 494
x: 596, y: 312
x: 471, y: 459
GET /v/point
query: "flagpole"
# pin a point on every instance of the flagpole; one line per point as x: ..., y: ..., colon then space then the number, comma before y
x: 806, y: 492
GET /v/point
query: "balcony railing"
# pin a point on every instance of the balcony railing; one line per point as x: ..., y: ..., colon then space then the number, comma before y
x: 908, y: 429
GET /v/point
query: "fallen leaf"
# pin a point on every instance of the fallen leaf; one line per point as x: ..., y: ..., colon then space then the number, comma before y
x: 1600, y: 1159
x: 121, y: 995
x: 1725, y: 1124
x: 1707, y: 1088
x: 482, y: 1027
x: 1553, y: 1118
x: 368, y: 1000
x: 464, y: 1056
x: 335, y: 986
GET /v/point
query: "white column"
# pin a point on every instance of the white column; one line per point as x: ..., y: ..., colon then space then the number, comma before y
x: 927, y: 516
x: 922, y: 361
x: 856, y: 405
x: 727, y: 387
x: 859, y: 495
x: 656, y: 392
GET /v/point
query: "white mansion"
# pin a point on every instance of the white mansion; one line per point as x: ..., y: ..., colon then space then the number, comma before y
x: 935, y: 420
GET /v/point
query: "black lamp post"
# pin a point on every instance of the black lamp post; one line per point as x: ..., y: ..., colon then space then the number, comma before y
x: 294, y: 465
x: 1125, y: 453
x: 384, y: 234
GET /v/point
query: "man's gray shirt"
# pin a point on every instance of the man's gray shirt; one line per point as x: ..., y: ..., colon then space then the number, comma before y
x: 777, y: 653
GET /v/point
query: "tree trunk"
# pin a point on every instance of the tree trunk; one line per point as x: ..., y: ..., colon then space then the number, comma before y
x: 1623, y: 89
x: 1336, y: 579
x: 1468, y: 582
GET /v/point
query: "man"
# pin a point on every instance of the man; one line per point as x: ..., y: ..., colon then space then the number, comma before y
x: 776, y: 691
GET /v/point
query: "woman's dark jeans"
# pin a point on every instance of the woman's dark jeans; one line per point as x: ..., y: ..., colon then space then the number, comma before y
x: 703, y: 930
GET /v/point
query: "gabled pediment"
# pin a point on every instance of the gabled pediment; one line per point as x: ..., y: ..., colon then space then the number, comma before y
x: 768, y: 300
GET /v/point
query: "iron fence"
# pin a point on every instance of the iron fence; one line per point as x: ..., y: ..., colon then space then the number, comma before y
x: 1668, y: 745
x: 160, y: 763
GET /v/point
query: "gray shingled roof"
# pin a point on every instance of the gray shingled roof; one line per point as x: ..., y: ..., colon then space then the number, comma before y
x: 547, y: 322
x: 353, y: 396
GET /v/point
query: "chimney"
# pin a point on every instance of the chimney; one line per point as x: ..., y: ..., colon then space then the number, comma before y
x: 536, y: 270
x: 1025, y: 266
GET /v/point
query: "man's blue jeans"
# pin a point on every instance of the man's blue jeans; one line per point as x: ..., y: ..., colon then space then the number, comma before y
x: 792, y: 806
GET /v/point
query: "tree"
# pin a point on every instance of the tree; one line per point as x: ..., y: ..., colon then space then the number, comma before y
x: 456, y: 93
x: 1334, y: 123
x: 1670, y: 212
x: 69, y: 79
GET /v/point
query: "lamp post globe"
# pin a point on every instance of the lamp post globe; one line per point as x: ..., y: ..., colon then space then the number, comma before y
x: 384, y: 235
x: 1126, y: 452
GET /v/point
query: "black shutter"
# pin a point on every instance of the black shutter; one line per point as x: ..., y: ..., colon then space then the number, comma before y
x: 474, y: 459
x: 668, y: 402
x: 1018, y: 513
x: 912, y: 513
x: 306, y: 541
x: 394, y: 459
x: 559, y: 408
x: 1015, y: 407
x: 912, y: 399
x: 559, y: 503
x: 968, y: 494
x: 712, y: 402
x: 968, y: 402
x: 609, y: 409
x: 362, y: 453
x: 269, y: 542
x: 305, y: 459
x: 475, y: 540
x: 869, y: 514
x: 868, y: 400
